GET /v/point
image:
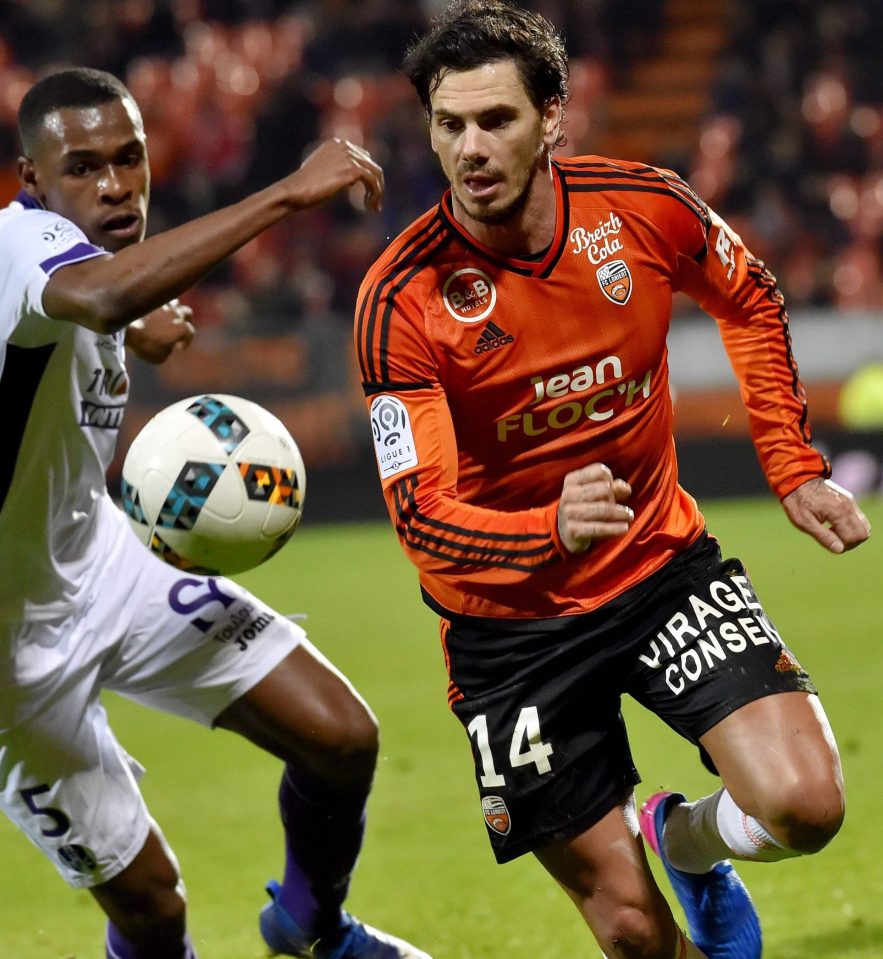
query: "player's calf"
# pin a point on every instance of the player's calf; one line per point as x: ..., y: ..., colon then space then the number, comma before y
x: 117, y: 946
x: 146, y: 907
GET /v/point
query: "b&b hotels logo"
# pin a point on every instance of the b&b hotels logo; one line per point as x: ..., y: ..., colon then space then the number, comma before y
x: 469, y: 295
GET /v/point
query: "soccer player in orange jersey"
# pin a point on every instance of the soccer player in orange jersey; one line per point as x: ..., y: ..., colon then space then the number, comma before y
x: 512, y: 344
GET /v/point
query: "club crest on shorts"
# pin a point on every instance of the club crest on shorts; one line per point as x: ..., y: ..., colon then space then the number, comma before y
x: 496, y: 815
x: 787, y: 663
x: 615, y: 281
x: 79, y: 858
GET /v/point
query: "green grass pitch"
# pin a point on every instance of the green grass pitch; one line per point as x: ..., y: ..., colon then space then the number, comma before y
x: 426, y: 872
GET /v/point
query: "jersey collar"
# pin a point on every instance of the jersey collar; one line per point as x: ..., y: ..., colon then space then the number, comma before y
x: 25, y: 199
x: 538, y: 268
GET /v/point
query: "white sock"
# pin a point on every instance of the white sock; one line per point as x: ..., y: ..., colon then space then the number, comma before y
x: 691, y: 837
x: 697, y: 835
x: 746, y: 837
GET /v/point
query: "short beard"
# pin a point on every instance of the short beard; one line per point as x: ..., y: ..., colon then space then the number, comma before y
x: 501, y: 217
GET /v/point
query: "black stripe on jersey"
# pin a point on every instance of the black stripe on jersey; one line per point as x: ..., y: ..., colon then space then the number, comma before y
x: 635, y: 188
x: 391, y: 283
x: 410, y: 483
x: 764, y: 279
x: 565, y: 232
x: 370, y: 389
x: 397, y: 287
x: 22, y: 372
x: 407, y: 249
x: 686, y: 191
x: 645, y: 173
x: 446, y: 549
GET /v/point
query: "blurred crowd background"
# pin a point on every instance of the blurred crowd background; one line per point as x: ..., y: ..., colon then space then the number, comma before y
x: 772, y: 109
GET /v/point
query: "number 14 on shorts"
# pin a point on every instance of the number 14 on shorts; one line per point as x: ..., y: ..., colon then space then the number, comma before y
x: 526, y: 747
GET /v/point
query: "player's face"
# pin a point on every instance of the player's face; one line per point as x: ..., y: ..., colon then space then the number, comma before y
x: 90, y: 165
x: 491, y: 139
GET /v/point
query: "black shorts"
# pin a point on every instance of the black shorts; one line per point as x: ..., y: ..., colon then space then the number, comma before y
x: 540, y: 699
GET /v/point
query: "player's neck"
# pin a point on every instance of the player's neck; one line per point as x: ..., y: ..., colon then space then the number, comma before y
x: 528, y: 230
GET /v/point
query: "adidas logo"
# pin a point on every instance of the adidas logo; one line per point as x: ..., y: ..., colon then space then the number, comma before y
x: 492, y: 338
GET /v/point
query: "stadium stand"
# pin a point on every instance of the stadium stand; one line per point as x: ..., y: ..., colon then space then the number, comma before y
x: 774, y: 112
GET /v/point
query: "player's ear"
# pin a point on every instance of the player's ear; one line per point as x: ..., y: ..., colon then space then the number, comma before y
x: 552, y: 116
x: 27, y: 176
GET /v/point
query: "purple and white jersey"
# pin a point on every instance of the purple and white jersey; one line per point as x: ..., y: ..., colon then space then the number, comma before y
x: 63, y: 389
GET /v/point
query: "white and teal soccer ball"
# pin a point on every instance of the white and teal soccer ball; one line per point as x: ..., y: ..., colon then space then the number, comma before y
x: 214, y: 484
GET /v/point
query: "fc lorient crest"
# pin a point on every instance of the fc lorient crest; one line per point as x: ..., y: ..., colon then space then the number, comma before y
x: 496, y: 814
x: 615, y: 281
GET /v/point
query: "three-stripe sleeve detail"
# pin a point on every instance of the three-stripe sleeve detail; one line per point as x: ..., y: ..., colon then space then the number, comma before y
x: 599, y: 177
x: 524, y: 552
x: 767, y: 282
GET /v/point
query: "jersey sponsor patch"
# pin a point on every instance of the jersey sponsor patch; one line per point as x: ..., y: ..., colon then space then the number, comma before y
x: 393, y: 437
x: 469, y: 295
x: 496, y: 814
x: 615, y: 281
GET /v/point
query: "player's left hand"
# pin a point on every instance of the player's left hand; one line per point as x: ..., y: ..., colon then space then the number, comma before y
x: 156, y: 336
x: 828, y: 513
x: 333, y: 166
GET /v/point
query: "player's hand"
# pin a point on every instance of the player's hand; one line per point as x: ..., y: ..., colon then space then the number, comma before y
x: 156, y: 336
x: 828, y: 513
x: 591, y: 507
x: 336, y: 165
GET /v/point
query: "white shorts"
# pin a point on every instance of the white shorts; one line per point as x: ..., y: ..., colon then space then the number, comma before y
x: 177, y: 642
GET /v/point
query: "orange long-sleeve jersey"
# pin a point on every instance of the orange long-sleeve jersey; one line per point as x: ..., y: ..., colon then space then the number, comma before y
x: 489, y: 378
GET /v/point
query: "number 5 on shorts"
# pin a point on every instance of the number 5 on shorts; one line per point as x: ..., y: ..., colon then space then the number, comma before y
x: 527, y: 729
x: 60, y: 820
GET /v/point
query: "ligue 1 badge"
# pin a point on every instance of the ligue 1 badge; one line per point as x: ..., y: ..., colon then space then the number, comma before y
x: 615, y: 281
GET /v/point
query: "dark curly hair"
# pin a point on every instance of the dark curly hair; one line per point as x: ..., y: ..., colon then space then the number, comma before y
x: 471, y: 33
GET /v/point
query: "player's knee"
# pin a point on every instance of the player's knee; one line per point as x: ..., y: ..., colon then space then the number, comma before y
x: 634, y: 932
x: 350, y: 742
x: 808, y: 816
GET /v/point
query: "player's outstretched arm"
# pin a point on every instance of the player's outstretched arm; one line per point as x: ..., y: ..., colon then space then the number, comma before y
x: 591, y: 507
x: 154, y: 337
x: 828, y: 513
x: 106, y: 293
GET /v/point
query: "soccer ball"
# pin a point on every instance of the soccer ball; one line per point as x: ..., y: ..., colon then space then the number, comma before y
x: 214, y: 484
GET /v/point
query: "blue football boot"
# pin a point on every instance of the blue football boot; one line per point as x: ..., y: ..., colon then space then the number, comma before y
x: 723, y: 921
x: 352, y: 939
